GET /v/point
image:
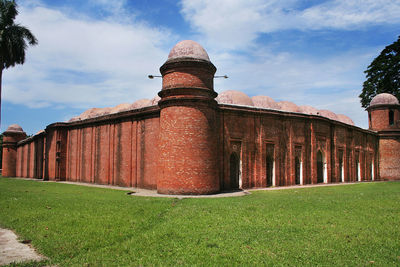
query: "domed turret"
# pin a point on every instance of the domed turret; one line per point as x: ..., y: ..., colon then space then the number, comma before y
x: 12, y: 136
x: 188, y: 122
x: 384, y: 117
x: 384, y: 112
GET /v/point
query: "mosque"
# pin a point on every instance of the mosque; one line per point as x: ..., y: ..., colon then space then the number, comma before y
x: 190, y: 140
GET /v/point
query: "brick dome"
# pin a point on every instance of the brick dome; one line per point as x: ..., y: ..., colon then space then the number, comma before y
x: 263, y: 101
x: 154, y: 101
x: 141, y: 103
x: 188, y: 49
x: 15, y: 128
x: 308, y: 110
x: 384, y: 99
x: 121, y: 107
x: 344, y: 119
x: 327, y: 114
x: 235, y: 98
x: 288, y: 106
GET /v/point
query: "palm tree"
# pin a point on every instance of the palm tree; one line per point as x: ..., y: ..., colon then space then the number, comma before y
x: 13, y: 39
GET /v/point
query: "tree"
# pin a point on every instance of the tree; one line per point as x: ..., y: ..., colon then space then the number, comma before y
x: 14, y: 39
x: 383, y: 74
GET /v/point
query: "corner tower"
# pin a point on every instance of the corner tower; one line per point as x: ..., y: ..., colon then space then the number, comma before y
x: 12, y: 136
x: 188, y: 122
x: 384, y: 117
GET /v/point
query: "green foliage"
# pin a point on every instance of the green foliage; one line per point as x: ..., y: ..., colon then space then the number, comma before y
x: 13, y: 37
x: 350, y: 225
x: 383, y: 74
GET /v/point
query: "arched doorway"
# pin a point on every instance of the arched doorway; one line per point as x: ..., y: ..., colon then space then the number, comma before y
x: 270, y: 170
x: 297, y: 171
x: 320, y: 167
x: 234, y: 169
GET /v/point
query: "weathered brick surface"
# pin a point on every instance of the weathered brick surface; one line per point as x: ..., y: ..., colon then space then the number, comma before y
x: 379, y: 117
x: 389, y: 159
x: 293, y: 136
x: 188, y: 144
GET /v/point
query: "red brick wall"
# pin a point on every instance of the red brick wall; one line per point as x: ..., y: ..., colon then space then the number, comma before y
x: 196, y: 147
x: 188, y: 77
x: 291, y: 136
x: 50, y: 155
x: 188, y: 146
x: 389, y: 159
x: 379, y: 118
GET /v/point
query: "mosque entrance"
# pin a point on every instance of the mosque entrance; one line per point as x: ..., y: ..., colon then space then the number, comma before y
x: 234, y: 169
x: 320, y: 167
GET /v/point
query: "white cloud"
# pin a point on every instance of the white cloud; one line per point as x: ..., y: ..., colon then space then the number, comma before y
x: 84, y: 62
x: 235, y: 24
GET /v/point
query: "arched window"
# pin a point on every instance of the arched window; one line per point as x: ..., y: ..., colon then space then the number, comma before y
x: 297, y: 171
x: 391, y: 117
x: 234, y: 168
x: 320, y: 167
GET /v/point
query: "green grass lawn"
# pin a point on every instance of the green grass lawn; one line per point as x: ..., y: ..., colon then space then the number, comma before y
x: 352, y: 225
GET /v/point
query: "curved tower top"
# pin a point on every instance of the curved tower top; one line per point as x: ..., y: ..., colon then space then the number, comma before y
x: 188, y: 49
x: 384, y: 99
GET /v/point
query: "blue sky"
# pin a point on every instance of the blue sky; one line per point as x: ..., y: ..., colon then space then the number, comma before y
x: 98, y: 53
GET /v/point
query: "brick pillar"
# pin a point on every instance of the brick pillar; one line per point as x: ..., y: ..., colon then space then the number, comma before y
x: 188, y: 123
x: 12, y: 136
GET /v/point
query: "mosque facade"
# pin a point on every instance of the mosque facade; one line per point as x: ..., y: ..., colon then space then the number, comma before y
x: 190, y: 140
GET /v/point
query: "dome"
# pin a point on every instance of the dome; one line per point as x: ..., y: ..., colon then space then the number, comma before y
x: 263, y: 101
x: 308, y: 110
x: 121, y: 107
x: 141, y: 103
x: 92, y: 113
x: 384, y: 99
x: 188, y: 49
x: 154, y: 101
x: 234, y: 98
x: 327, y: 114
x: 344, y: 119
x: 15, y: 128
x: 288, y: 106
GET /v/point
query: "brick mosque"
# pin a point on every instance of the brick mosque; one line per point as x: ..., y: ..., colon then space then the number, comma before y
x: 190, y: 140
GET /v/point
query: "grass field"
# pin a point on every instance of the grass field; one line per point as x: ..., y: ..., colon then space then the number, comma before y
x: 352, y: 225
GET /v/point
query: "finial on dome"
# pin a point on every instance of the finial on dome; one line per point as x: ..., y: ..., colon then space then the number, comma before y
x: 188, y: 49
